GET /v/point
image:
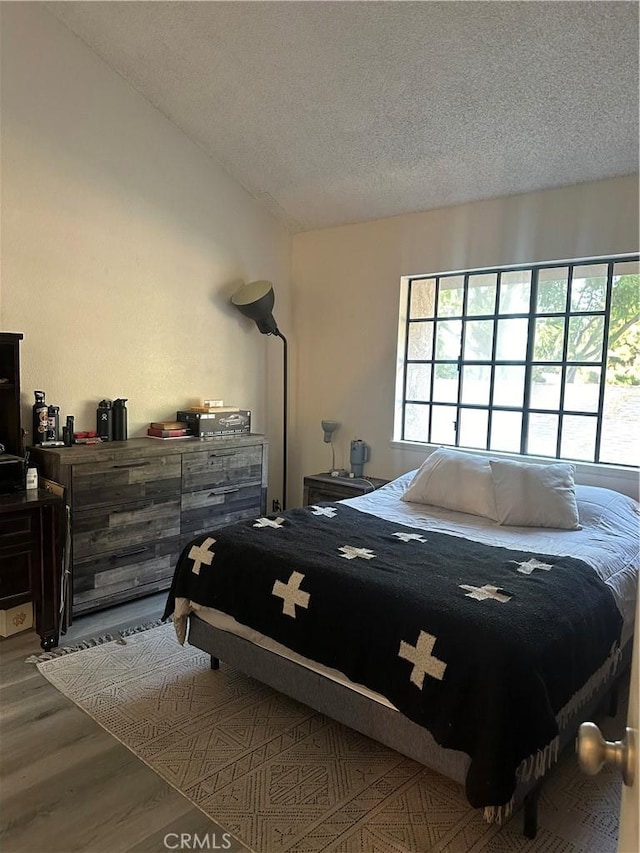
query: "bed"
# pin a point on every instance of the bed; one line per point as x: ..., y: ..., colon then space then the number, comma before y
x: 471, y: 646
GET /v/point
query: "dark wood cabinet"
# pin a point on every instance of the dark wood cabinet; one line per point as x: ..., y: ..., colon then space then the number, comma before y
x: 324, y: 487
x: 31, y: 557
x: 135, y: 504
x: 10, y: 422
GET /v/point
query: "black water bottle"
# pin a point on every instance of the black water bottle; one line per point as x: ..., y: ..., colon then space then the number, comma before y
x: 104, y: 420
x: 40, y: 418
x: 119, y: 420
x: 67, y: 431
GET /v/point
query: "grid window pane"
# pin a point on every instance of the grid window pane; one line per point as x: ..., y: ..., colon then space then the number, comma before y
x: 450, y: 298
x: 478, y: 340
x: 620, y: 434
x: 481, y: 298
x: 448, y: 335
x: 476, y: 384
x: 589, y: 288
x: 533, y: 369
x: 549, y: 339
x: 623, y: 361
x: 473, y: 428
x: 511, y: 344
x: 543, y: 435
x: 582, y: 389
x: 416, y: 423
x: 506, y: 428
x: 552, y: 290
x: 578, y: 437
x: 443, y: 430
x: 445, y: 383
x: 515, y: 292
x: 418, y: 381
x: 420, y: 344
x: 423, y: 298
x: 586, y: 335
x: 508, y: 389
x: 545, y: 387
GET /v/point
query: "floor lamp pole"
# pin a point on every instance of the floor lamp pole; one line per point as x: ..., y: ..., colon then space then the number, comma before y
x: 285, y: 409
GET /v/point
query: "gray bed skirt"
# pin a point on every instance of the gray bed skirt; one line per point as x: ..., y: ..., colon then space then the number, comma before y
x: 365, y: 715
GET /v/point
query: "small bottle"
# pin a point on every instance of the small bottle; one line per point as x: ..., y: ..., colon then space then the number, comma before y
x: 119, y: 420
x: 40, y: 418
x: 67, y: 431
x: 104, y: 420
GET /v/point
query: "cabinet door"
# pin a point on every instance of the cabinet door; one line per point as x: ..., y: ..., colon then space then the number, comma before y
x: 121, y: 480
x: 19, y: 556
x: 221, y: 467
x: 17, y: 568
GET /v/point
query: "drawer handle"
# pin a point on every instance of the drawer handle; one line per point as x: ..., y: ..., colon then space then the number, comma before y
x: 223, y: 453
x: 122, y: 554
x: 128, y: 509
x: 224, y: 491
x: 132, y: 465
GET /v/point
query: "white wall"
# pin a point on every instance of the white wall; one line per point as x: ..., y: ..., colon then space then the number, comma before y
x: 121, y: 244
x: 346, y: 284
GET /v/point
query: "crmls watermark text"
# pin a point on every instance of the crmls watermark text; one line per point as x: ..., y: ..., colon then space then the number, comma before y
x: 194, y: 841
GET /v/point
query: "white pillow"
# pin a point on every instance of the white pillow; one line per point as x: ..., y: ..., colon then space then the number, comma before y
x: 454, y: 480
x: 530, y: 495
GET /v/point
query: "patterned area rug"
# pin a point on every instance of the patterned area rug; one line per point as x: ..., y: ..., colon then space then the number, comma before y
x: 281, y: 777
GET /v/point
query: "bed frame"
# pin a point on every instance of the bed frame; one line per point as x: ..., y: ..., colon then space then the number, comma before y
x: 372, y: 718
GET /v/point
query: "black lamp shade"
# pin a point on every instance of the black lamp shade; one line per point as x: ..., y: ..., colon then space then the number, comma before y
x: 256, y: 300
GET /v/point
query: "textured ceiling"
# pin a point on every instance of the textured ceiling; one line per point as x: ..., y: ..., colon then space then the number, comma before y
x: 336, y: 112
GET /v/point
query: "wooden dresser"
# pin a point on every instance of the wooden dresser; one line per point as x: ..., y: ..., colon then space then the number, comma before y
x: 136, y: 503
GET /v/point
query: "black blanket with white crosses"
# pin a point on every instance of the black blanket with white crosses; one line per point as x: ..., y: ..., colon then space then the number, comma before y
x: 479, y: 644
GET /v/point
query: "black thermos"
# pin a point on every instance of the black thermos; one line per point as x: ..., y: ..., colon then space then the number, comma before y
x: 119, y: 420
x: 40, y: 418
x: 67, y: 431
x: 104, y: 422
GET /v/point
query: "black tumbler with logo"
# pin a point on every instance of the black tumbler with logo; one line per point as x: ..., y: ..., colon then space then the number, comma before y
x: 104, y: 420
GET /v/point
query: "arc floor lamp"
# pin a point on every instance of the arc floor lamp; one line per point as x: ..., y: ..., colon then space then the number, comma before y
x: 256, y: 300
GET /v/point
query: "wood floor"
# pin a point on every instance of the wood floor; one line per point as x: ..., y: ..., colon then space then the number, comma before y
x: 65, y: 784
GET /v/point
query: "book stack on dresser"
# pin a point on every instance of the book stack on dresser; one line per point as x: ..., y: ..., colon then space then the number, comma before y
x: 169, y: 429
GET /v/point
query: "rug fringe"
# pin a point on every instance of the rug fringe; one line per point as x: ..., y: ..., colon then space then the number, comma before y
x: 59, y: 651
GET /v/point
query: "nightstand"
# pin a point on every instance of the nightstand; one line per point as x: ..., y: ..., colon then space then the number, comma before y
x: 324, y: 487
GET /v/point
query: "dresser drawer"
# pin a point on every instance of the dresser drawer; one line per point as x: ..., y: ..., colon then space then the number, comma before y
x: 138, y: 569
x: 113, y: 528
x: 120, y: 480
x: 201, y: 511
x: 219, y: 467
